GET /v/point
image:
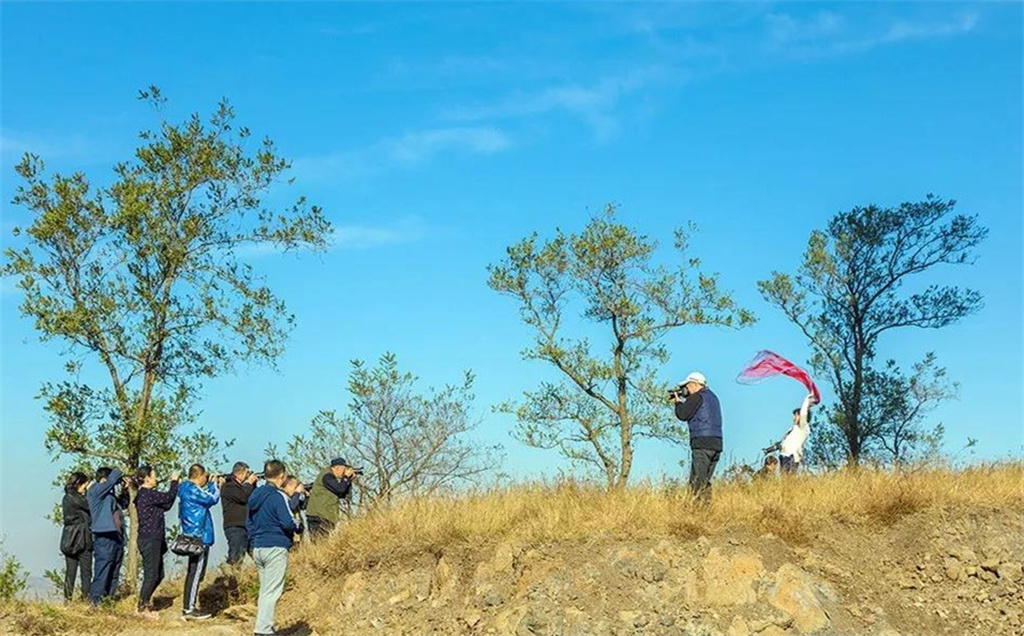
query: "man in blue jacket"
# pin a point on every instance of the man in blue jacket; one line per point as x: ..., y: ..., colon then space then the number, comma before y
x: 271, y: 527
x: 197, y: 496
x: 698, y: 406
x: 106, y: 508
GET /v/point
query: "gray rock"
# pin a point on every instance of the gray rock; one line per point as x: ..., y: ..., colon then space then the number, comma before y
x: 493, y: 598
x: 990, y: 565
x: 532, y: 622
x: 1010, y: 571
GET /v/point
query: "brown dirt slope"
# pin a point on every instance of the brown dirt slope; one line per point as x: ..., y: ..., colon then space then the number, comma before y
x: 933, y: 572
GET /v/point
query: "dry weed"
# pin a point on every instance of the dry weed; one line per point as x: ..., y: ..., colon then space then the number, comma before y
x: 791, y: 508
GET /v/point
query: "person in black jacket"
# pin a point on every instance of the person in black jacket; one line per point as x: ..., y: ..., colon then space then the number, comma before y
x: 234, y: 497
x: 76, y: 538
x: 152, y: 505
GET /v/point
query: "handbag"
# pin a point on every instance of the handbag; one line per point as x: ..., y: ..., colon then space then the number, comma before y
x: 74, y: 540
x: 187, y: 545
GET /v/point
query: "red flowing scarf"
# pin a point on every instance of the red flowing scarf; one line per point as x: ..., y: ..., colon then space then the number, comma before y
x: 767, y: 364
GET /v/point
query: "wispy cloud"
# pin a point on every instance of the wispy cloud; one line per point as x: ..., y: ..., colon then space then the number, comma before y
x: 407, y: 150
x: 828, y: 33
x: 8, y: 289
x: 14, y: 144
x: 420, y: 146
x: 354, y: 236
x: 405, y: 230
x: 596, y: 103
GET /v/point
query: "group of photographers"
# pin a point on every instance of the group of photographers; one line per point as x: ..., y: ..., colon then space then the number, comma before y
x: 261, y: 521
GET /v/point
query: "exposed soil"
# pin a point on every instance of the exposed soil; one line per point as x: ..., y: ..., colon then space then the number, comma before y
x: 938, y: 572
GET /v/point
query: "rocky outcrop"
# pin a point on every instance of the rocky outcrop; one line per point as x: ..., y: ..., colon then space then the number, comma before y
x: 888, y: 582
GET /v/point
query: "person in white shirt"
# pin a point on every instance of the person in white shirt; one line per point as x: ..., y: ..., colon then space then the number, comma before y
x: 791, y: 448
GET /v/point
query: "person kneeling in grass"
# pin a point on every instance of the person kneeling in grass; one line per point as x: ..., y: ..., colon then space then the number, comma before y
x: 271, y: 528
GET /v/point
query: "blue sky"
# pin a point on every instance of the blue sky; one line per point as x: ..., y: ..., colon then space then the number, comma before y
x: 435, y: 135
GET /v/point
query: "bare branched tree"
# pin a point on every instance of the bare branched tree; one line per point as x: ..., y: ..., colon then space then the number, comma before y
x: 408, y: 443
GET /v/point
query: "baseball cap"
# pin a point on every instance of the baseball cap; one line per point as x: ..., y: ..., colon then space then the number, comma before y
x: 338, y: 461
x: 697, y: 377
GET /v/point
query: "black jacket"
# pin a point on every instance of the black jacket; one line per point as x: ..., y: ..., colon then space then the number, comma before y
x: 76, y: 536
x: 234, y: 497
x: 152, y: 504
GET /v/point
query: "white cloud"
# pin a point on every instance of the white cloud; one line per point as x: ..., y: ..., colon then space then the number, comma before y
x: 406, y: 230
x: 827, y: 33
x: 420, y: 146
x: 596, y: 103
x: 410, y: 149
x: 14, y: 144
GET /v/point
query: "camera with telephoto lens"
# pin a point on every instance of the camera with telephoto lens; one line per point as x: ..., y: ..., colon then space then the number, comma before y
x: 679, y: 392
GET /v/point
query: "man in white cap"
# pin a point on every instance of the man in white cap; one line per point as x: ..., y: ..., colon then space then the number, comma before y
x: 698, y: 406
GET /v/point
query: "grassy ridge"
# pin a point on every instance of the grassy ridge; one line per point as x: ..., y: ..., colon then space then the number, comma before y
x: 792, y: 508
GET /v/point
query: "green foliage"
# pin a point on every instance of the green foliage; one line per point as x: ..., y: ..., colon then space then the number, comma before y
x: 409, y: 443
x: 12, y: 577
x: 609, y: 393
x: 144, y: 276
x: 56, y: 579
x: 145, y: 281
x: 849, y: 292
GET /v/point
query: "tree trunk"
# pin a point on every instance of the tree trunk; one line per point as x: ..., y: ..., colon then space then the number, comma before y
x: 132, y: 559
x: 625, y: 427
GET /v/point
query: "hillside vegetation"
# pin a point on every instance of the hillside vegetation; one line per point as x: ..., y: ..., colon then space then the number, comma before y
x: 924, y: 551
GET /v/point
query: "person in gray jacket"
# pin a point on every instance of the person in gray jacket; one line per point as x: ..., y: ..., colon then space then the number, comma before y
x: 106, y: 507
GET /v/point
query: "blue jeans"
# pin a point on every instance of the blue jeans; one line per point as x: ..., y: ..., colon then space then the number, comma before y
x: 238, y: 543
x: 108, y: 552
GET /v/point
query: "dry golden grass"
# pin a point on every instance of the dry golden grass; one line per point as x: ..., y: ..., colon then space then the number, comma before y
x: 791, y: 508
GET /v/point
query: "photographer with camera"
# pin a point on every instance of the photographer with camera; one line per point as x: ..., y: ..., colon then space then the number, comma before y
x: 698, y: 406
x: 152, y: 505
x: 333, y: 485
x: 197, y: 496
x: 272, y: 528
x: 106, y: 509
x: 234, y: 496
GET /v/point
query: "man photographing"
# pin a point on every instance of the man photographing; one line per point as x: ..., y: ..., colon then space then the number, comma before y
x: 271, y: 529
x: 328, y: 490
x: 698, y: 406
x: 234, y: 495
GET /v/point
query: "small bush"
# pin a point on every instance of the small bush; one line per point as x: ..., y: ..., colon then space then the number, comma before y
x: 12, y: 579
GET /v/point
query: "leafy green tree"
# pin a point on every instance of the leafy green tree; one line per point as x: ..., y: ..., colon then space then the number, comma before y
x: 895, y: 411
x: 146, y: 282
x: 850, y: 291
x: 609, y: 394
x: 408, y: 443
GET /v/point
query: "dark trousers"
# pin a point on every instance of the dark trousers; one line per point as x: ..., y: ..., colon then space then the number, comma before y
x: 152, y: 550
x: 108, y: 552
x: 72, y: 565
x: 193, y: 577
x: 318, y: 527
x: 702, y: 467
x: 787, y: 464
x: 238, y: 543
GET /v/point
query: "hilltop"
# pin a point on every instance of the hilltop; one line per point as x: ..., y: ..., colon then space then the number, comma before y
x: 931, y: 551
